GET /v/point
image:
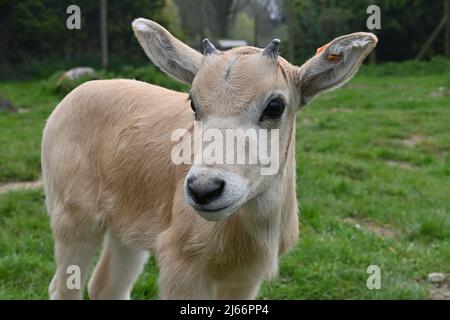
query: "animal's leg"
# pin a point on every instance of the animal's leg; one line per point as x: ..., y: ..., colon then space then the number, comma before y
x: 117, y: 270
x: 241, y: 291
x: 75, y: 246
x: 180, y: 279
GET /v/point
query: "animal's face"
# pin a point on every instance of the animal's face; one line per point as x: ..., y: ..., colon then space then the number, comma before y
x: 245, y: 96
x: 245, y: 101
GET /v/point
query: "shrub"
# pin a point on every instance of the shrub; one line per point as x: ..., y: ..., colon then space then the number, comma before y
x: 149, y: 74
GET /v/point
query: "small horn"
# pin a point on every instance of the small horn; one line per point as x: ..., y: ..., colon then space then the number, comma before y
x: 208, y: 47
x: 272, y: 49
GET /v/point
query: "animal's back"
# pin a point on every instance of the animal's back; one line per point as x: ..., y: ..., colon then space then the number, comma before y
x: 105, y: 153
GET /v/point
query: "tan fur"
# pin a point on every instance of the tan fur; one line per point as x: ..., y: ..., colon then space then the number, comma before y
x: 107, y: 168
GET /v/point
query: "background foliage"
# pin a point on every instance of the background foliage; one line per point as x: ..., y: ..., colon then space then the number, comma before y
x: 36, y: 43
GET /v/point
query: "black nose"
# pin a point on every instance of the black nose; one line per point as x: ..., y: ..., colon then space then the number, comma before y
x: 203, y: 190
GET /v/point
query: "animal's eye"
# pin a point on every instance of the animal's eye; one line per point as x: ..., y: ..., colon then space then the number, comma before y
x: 194, y: 109
x: 274, y: 110
x: 193, y: 106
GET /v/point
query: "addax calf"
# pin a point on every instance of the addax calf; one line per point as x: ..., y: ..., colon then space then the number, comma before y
x: 217, y: 230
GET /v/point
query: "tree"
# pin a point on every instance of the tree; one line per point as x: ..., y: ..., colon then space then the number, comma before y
x: 444, y: 25
x: 447, y: 28
x: 259, y: 8
x: 224, y: 14
x: 289, y: 9
x: 104, y: 32
x: 34, y: 32
x: 405, y: 26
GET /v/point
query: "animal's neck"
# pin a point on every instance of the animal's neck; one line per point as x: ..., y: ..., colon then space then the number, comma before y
x: 258, y: 226
x: 264, y: 218
x: 269, y: 204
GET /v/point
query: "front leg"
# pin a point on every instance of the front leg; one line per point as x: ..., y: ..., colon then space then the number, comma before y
x: 182, y: 280
x: 241, y: 291
x: 187, y: 281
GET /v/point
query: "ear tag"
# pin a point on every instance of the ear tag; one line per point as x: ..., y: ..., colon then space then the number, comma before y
x: 319, y: 50
x: 330, y: 57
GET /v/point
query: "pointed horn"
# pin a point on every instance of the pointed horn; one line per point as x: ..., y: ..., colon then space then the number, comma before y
x: 272, y: 49
x: 208, y: 47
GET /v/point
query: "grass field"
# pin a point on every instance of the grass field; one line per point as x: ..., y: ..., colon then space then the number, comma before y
x: 373, y: 166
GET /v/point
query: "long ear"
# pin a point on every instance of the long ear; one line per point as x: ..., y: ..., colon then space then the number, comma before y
x: 170, y: 54
x: 334, y: 64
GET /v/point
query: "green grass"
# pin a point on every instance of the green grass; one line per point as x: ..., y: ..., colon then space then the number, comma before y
x: 21, y: 133
x: 374, y: 153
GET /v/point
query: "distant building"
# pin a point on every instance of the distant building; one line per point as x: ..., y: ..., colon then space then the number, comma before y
x: 228, y: 44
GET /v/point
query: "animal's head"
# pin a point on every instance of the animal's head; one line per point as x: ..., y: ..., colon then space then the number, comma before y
x: 243, y: 91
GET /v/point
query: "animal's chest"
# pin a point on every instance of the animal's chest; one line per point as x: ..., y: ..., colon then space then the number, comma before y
x: 245, y: 254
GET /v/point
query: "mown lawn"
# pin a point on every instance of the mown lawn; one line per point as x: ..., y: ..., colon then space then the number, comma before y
x: 373, y: 166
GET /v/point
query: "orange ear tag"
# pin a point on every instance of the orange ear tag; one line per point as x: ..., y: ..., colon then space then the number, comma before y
x: 330, y: 57
x: 319, y: 50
